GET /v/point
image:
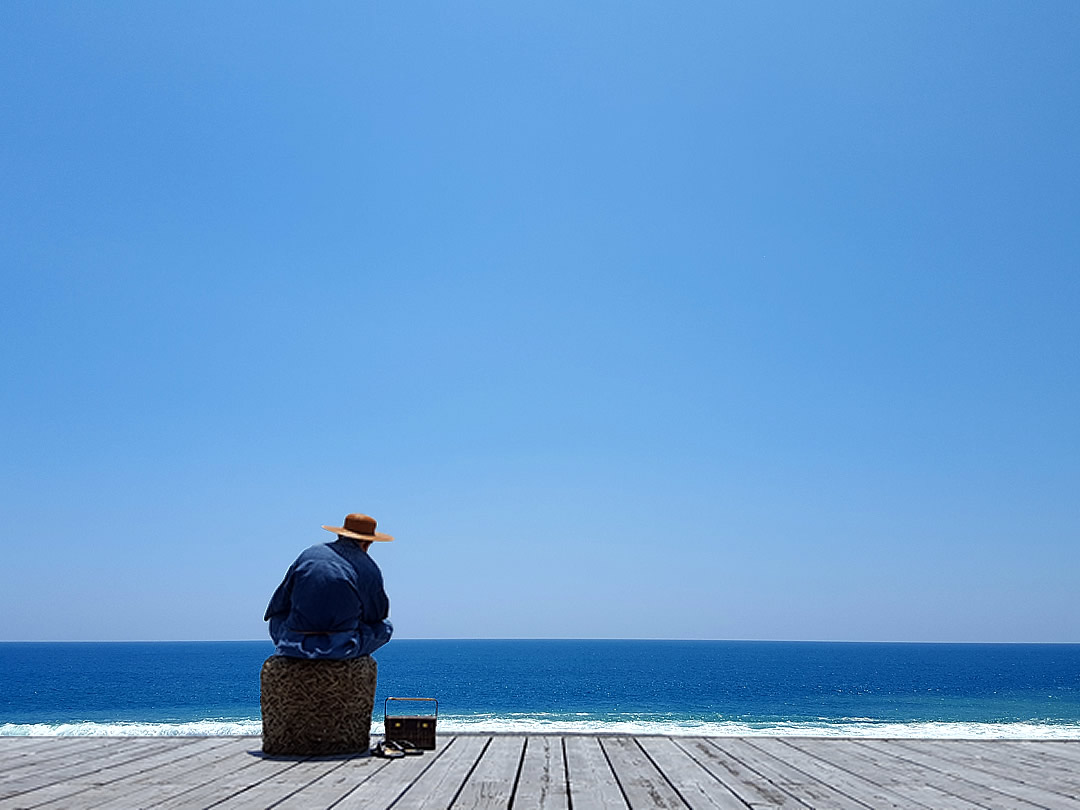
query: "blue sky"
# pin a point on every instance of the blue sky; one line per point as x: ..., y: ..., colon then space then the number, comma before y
x: 703, y: 320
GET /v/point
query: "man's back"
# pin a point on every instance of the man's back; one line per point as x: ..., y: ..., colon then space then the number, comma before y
x: 331, y: 604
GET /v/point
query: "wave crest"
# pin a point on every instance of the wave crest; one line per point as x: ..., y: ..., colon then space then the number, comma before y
x: 540, y: 724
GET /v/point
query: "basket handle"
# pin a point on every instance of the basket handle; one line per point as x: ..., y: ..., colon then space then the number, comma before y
x: 433, y: 700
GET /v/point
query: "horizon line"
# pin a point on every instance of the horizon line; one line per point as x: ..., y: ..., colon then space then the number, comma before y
x: 539, y: 638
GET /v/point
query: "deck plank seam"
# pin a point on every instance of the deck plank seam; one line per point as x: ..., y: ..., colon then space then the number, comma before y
x: 387, y: 764
x: 1017, y: 779
x: 1064, y: 756
x: 254, y: 761
x: 661, y: 771
x: 438, y: 755
x: 468, y: 776
x: 810, y: 776
x: 760, y: 775
x: 566, y: 773
x: 863, y: 777
x: 1029, y: 761
x: 76, y: 743
x: 517, y: 776
x: 862, y: 756
x: 950, y: 779
x: 614, y: 773
x: 140, y: 787
x: 81, y: 774
x: 97, y: 785
x: 81, y: 747
x: 955, y: 776
x: 323, y: 775
x: 266, y: 778
x: 709, y: 771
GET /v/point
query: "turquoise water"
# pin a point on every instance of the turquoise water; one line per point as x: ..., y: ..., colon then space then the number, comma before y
x: 700, y: 687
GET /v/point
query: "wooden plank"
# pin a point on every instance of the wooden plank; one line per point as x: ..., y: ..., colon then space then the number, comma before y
x: 151, y: 786
x: 592, y: 782
x: 924, y: 786
x: 15, y: 747
x: 34, y: 753
x: 919, y: 751
x: 224, y: 779
x: 750, y: 786
x: 16, y: 740
x: 86, y: 790
x: 381, y: 788
x: 1067, y: 750
x: 71, y: 749
x: 492, y: 781
x: 542, y: 784
x: 697, y: 786
x: 809, y: 790
x: 970, y: 754
x: 332, y: 787
x: 534, y: 772
x: 1038, y: 762
x: 849, y: 776
x: 286, y: 783
x: 929, y: 770
x: 132, y: 749
x: 440, y: 783
x: 641, y: 782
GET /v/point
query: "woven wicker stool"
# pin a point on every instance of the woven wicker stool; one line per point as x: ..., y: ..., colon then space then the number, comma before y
x: 314, y: 707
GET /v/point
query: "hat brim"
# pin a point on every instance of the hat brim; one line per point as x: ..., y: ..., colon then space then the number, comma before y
x: 377, y: 537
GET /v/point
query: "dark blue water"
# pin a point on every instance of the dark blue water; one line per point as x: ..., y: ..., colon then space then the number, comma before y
x: 697, y: 686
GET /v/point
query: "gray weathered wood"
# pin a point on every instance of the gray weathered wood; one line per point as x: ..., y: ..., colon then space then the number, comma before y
x: 1058, y: 749
x: 697, y: 786
x: 1038, y: 763
x: 592, y: 782
x: 968, y: 754
x: 848, y: 776
x: 226, y: 778
x: 641, y: 782
x: 783, y: 775
x: 491, y: 783
x: 65, y: 750
x: 922, y: 752
x: 19, y: 781
x: 13, y: 749
x: 382, y: 788
x: 923, y: 787
x: 548, y: 773
x: 437, y: 785
x: 751, y: 787
x: 155, y: 785
x: 542, y: 785
x: 85, y: 791
x: 283, y: 784
x: 926, y: 770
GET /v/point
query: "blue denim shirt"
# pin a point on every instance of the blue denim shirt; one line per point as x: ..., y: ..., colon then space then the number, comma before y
x: 331, y: 604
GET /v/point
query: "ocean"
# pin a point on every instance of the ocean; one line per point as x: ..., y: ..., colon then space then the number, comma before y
x: 635, y: 687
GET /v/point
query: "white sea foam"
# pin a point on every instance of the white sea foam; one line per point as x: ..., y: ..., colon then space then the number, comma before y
x: 726, y: 728
x: 541, y: 724
x: 196, y: 728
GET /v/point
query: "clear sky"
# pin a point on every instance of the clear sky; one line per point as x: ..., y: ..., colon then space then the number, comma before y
x: 647, y: 320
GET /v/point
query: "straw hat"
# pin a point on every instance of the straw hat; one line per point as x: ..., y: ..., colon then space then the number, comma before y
x: 359, y: 527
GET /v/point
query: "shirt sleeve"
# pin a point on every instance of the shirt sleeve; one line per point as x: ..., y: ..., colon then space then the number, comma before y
x: 375, y: 604
x: 281, y: 601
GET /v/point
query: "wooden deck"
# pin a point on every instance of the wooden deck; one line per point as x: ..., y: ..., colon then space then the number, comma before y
x: 573, y: 772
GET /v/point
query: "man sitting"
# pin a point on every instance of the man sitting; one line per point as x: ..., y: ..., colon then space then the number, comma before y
x: 331, y: 603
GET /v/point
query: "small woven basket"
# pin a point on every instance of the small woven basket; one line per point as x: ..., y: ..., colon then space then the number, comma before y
x: 315, y: 707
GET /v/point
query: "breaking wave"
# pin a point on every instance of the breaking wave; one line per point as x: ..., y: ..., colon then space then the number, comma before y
x: 561, y: 724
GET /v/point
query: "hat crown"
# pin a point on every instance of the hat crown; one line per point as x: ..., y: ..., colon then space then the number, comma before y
x: 361, y: 524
